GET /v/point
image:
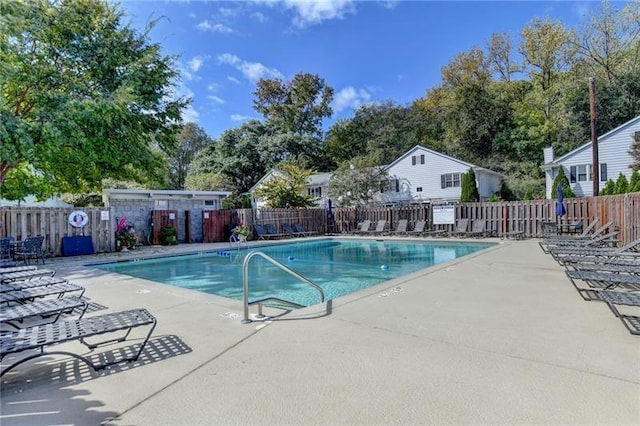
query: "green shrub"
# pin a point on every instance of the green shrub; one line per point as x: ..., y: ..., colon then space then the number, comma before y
x: 609, y: 188
x: 561, y: 179
x: 469, y: 190
x: 622, y: 184
x: 168, y: 235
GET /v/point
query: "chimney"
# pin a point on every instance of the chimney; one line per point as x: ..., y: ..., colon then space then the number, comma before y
x: 548, y: 155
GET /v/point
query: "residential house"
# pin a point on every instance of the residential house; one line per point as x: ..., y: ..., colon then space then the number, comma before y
x: 317, y: 187
x: 422, y: 175
x: 613, y: 158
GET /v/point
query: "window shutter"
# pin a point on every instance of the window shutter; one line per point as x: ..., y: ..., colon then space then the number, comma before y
x: 442, y: 184
x: 413, y: 160
x: 397, y: 185
x: 572, y: 173
x: 603, y: 172
x: 422, y: 159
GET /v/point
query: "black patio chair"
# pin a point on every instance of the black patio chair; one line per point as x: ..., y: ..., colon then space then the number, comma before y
x: 31, y: 248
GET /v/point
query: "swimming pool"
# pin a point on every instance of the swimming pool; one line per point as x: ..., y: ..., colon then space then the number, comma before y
x: 338, y: 266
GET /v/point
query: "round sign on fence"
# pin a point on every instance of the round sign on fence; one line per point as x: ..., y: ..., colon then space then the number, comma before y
x: 78, y: 219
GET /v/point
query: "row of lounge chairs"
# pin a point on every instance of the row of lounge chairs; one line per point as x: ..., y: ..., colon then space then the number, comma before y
x: 602, y: 271
x: 478, y: 228
x: 268, y: 231
x: 39, y: 311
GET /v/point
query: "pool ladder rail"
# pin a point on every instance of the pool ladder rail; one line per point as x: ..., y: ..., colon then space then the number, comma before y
x: 279, y: 302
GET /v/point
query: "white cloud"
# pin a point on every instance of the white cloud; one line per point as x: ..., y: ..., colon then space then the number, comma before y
x: 215, y: 28
x: 315, y: 11
x: 238, y: 117
x: 216, y: 99
x: 233, y: 80
x: 260, y: 17
x: 195, y: 63
x: 253, y: 71
x: 350, y: 97
x: 190, y: 115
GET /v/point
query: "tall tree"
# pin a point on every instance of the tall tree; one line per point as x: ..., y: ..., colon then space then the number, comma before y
x: 83, y: 97
x: 355, y: 182
x: 298, y: 106
x: 635, y: 150
x: 285, y: 190
x: 609, y: 41
x: 469, y: 188
x: 191, y: 139
x: 500, y: 56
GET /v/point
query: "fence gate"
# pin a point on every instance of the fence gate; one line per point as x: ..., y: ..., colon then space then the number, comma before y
x: 162, y: 218
x: 214, y: 223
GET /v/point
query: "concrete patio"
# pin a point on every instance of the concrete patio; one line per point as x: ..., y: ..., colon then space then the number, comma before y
x: 500, y: 336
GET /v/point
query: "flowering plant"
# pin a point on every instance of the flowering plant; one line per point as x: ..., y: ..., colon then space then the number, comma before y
x: 241, y: 231
x: 125, y: 234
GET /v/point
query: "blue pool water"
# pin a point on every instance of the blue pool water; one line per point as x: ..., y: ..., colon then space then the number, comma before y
x: 338, y: 266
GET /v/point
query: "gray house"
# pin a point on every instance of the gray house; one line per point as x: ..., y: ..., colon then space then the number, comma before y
x: 613, y: 157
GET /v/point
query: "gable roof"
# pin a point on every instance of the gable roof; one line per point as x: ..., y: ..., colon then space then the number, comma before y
x: 587, y: 145
x: 444, y: 156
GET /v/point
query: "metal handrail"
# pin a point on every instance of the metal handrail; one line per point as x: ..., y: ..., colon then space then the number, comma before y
x: 245, y: 279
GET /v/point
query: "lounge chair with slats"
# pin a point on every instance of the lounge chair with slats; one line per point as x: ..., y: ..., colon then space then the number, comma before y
x: 461, y: 227
x: 628, y: 298
x: 50, y: 310
x: 41, y: 337
x: 301, y: 230
x: 379, y: 228
x: 418, y: 228
x: 401, y: 227
x: 363, y: 227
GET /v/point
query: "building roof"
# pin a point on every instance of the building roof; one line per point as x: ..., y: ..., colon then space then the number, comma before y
x: 162, y: 194
x: 561, y: 159
x: 444, y: 156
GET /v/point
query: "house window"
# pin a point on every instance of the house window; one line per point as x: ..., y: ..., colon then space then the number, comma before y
x: 603, y: 172
x: 581, y: 173
x: 422, y: 159
x: 211, y: 203
x: 413, y: 160
x: 450, y: 180
x: 419, y: 189
x: 315, y: 192
x: 397, y: 185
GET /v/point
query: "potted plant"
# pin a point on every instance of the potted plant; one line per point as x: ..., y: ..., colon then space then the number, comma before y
x: 168, y: 235
x: 125, y: 236
x: 240, y: 233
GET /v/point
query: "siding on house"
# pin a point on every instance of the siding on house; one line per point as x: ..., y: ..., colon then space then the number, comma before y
x: 420, y: 174
x: 613, y: 150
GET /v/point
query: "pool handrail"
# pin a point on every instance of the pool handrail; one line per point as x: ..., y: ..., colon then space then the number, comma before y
x: 245, y: 279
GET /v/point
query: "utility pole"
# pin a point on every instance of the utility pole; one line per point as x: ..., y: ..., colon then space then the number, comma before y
x: 595, y: 168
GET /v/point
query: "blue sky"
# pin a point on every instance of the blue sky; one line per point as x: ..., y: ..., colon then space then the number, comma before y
x: 368, y: 51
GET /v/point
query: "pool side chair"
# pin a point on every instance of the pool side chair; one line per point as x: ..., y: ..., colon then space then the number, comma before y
x: 31, y: 248
x: 26, y: 295
x: 478, y: 229
x: 363, y: 227
x: 461, y: 227
x: 261, y: 232
x: 49, y: 311
x: 418, y: 228
x: 628, y: 298
x: 41, y: 337
x: 301, y: 230
x: 602, y: 281
x: 401, y: 227
x: 272, y: 231
x: 380, y: 227
x: 288, y: 230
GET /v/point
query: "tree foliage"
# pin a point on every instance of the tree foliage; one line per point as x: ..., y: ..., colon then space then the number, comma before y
x: 191, y: 139
x: 469, y: 188
x: 561, y: 179
x: 298, y: 106
x: 82, y: 97
x: 285, y: 188
x: 355, y: 183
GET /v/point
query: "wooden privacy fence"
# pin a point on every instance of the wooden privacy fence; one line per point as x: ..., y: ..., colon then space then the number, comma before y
x: 501, y: 219
x: 52, y: 223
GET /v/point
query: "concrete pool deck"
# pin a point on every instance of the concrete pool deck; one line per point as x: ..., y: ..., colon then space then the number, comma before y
x: 499, y: 336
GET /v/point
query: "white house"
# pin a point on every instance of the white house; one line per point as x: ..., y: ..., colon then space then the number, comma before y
x: 317, y: 187
x: 613, y: 157
x: 423, y: 175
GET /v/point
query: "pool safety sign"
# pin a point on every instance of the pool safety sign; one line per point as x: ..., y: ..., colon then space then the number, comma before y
x: 444, y: 215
